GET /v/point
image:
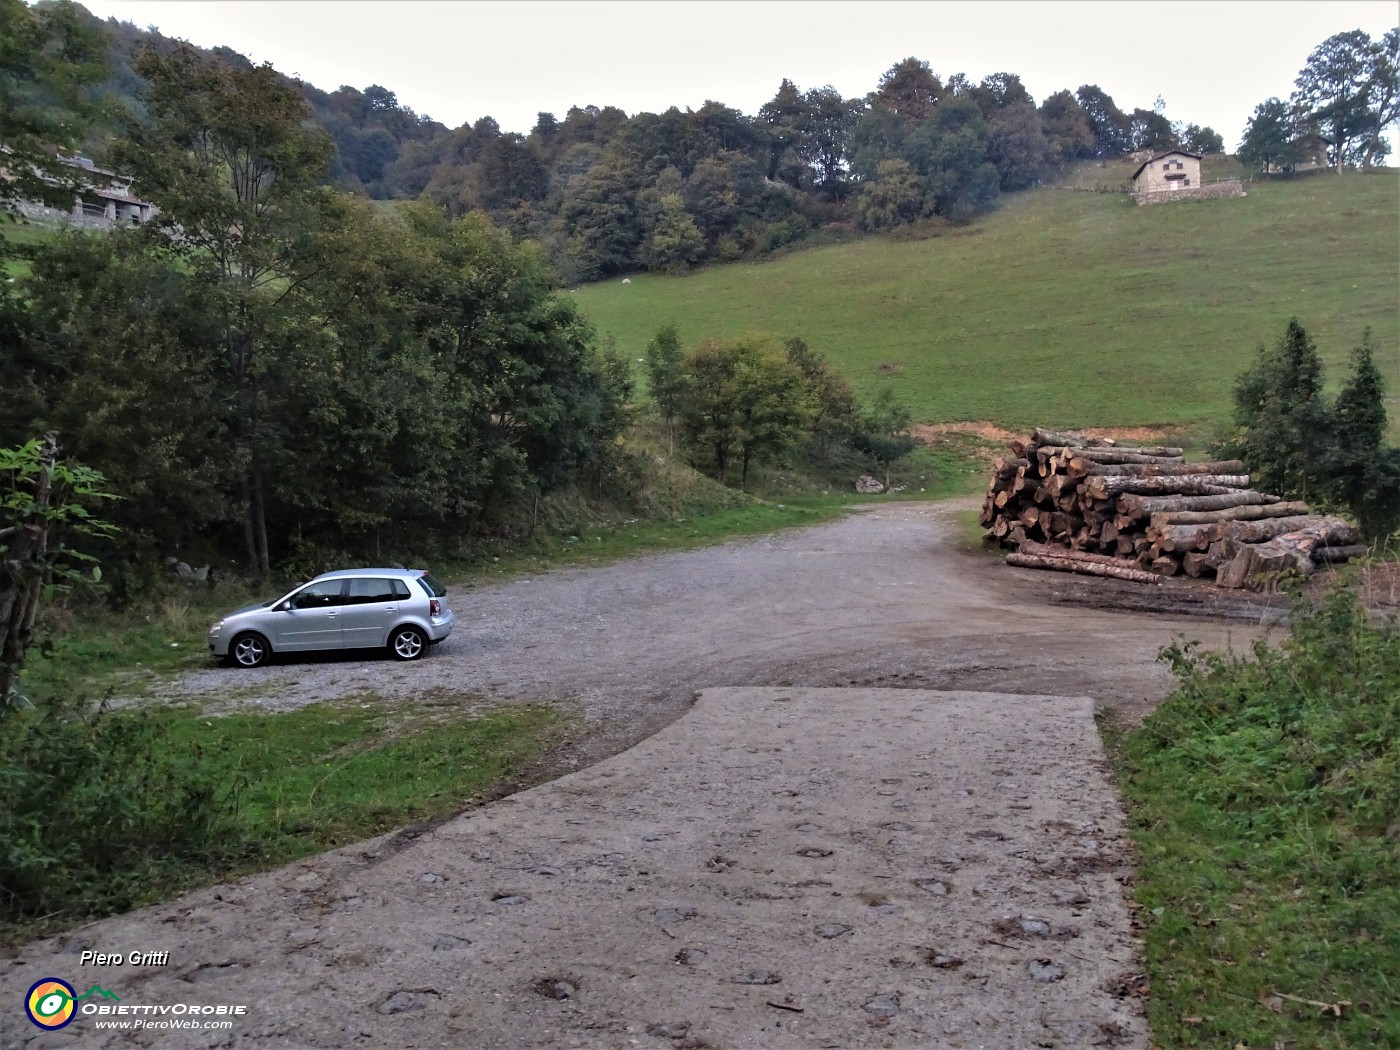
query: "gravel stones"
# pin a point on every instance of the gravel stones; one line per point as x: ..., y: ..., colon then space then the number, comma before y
x: 1046, y: 971
x: 559, y: 988
x: 831, y: 929
x: 669, y: 1030
x: 758, y: 976
x: 882, y: 1006
x: 407, y: 1000
x: 671, y: 916
x: 448, y: 942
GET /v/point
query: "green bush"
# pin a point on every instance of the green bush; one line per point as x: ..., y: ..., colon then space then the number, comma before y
x: 1312, y: 723
x: 98, y: 805
x: 1264, y: 798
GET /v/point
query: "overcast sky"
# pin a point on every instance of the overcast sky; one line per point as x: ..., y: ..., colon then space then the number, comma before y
x: 1212, y: 62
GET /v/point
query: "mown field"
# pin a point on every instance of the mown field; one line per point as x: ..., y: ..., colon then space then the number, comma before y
x: 1066, y: 307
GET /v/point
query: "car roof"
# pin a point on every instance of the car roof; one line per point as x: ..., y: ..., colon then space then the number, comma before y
x: 343, y: 574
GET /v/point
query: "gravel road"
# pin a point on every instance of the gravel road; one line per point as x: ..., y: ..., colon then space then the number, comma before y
x: 883, y: 597
x: 930, y: 855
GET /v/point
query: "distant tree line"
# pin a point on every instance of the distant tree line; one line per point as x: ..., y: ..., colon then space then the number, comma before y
x: 605, y: 193
x: 1345, y: 99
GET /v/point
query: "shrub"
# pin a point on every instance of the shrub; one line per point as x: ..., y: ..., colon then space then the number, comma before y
x: 98, y: 805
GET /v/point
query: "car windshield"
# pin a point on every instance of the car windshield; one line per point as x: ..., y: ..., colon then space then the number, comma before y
x: 430, y: 584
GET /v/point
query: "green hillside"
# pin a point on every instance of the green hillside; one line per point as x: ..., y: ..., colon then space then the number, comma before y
x: 1063, y: 307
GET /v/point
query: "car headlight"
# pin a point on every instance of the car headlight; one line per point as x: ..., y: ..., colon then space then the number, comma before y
x: 218, y: 626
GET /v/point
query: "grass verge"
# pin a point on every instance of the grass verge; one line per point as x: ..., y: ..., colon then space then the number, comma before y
x: 1264, y: 799
x: 143, y: 805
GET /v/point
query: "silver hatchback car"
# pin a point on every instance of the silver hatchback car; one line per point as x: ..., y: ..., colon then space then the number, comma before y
x: 401, y: 609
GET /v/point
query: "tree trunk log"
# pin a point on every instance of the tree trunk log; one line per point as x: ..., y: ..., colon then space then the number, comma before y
x: 1181, y: 537
x: 1054, y: 437
x: 1245, y: 513
x: 1195, y: 564
x: 1080, y: 467
x: 1004, y: 467
x: 1345, y: 553
x: 1166, y: 565
x: 1142, y: 506
x: 1290, y: 552
x: 1044, y: 550
x: 1077, y: 563
x: 1239, y: 532
x: 1063, y: 455
x: 1187, y: 485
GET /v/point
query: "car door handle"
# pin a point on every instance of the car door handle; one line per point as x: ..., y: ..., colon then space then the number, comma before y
x: 332, y: 613
x: 391, y: 608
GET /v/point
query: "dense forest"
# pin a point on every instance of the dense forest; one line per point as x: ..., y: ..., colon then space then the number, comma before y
x: 605, y: 193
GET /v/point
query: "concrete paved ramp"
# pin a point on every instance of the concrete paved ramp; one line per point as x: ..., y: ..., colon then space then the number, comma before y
x: 778, y: 868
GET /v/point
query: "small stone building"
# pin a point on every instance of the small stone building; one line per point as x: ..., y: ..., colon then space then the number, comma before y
x: 1176, y: 175
x: 104, y: 199
x: 1169, y: 172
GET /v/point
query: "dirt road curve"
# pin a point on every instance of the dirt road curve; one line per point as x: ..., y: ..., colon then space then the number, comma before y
x: 781, y: 867
x: 883, y: 598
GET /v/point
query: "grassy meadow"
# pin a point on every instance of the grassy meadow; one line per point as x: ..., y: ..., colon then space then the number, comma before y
x: 1066, y: 307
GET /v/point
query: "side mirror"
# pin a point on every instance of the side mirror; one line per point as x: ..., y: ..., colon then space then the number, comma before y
x: 282, y: 607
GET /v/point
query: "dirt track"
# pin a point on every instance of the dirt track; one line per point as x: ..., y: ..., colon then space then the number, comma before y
x: 405, y: 942
x: 885, y: 597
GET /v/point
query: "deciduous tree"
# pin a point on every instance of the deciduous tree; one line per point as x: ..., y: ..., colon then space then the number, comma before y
x: 47, y: 60
x: 910, y: 90
x: 1268, y: 142
x: 672, y: 242
x: 1066, y: 127
x: 665, y: 376
x: 1016, y: 146
x: 825, y: 125
x: 1111, y: 128
x: 228, y: 157
x: 743, y: 400
x: 883, y: 434
x: 1342, y: 90
x: 895, y: 197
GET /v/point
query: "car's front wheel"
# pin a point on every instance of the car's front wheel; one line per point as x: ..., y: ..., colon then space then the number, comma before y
x: 249, y: 650
x: 408, y: 643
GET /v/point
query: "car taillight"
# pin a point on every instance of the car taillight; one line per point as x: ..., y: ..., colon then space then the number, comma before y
x: 435, y: 607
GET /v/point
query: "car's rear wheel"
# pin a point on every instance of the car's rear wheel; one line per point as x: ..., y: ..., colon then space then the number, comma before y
x: 407, y: 643
x: 249, y: 650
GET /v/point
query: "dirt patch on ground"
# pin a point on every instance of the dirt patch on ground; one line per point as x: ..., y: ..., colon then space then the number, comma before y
x: 926, y: 432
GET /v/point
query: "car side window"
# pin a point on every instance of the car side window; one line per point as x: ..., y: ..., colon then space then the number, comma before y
x: 400, y: 589
x: 371, y: 592
x: 318, y: 596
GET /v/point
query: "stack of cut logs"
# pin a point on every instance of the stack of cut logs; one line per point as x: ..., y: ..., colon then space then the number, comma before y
x: 1082, y: 504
